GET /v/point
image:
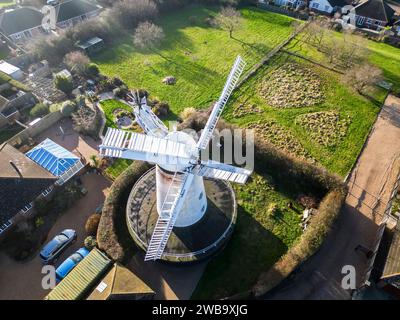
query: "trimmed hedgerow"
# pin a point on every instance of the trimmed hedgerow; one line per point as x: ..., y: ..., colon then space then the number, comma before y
x: 112, y: 234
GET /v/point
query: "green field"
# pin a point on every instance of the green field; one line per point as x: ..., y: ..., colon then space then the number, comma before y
x: 5, y: 3
x: 199, y: 56
x: 338, y: 98
x: 259, y: 240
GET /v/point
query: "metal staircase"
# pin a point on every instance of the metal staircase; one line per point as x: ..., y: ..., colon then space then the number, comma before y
x: 169, y: 213
x: 230, y: 85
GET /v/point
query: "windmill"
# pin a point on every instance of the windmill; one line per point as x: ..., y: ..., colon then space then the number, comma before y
x: 181, y: 198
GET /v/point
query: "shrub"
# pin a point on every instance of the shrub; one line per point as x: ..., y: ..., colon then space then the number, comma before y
x: 161, y: 109
x: 87, y: 122
x: 77, y: 62
x: 39, y: 110
x: 67, y: 108
x: 55, y: 107
x: 64, y: 84
x: 90, y: 242
x: 120, y: 92
x: 92, y: 224
x: 187, y: 113
x: 93, y: 70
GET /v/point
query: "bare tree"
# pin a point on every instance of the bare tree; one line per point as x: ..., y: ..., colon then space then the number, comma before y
x: 228, y: 19
x: 129, y: 13
x: 148, y: 36
x: 77, y: 61
x: 316, y: 32
x: 362, y: 77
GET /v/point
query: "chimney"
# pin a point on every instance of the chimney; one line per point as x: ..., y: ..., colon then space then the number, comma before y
x: 16, y: 168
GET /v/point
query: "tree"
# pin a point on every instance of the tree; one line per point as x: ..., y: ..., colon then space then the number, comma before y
x: 362, y: 77
x: 64, y: 84
x: 39, y: 110
x: 68, y: 107
x: 130, y: 13
x: 228, y: 19
x: 92, y: 224
x: 92, y: 70
x: 148, y: 36
x: 77, y: 62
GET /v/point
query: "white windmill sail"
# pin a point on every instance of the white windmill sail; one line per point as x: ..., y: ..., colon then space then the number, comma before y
x: 169, y: 213
x: 217, y: 170
x: 136, y: 146
x: 230, y: 85
x: 145, y: 117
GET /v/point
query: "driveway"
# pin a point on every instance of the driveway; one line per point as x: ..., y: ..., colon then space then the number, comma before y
x: 22, y: 281
x: 168, y: 281
x: 370, y: 185
x: 70, y: 139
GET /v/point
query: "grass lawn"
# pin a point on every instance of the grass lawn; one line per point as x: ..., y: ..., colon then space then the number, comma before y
x: 5, y: 3
x: 199, y: 56
x: 109, y: 106
x: 259, y: 240
x: 338, y: 158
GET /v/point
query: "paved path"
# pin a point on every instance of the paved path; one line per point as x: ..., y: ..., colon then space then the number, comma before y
x: 372, y: 178
x: 170, y: 282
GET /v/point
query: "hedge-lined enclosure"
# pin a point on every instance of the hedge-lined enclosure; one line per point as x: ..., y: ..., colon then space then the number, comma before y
x: 277, y: 183
x: 268, y: 233
x: 112, y: 234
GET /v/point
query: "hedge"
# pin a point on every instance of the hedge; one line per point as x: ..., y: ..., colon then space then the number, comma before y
x: 307, y: 245
x: 112, y: 234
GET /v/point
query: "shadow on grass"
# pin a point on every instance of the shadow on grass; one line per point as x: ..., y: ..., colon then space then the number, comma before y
x: 251, y: 250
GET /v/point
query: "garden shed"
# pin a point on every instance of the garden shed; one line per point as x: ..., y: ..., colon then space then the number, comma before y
x: 91, y: 46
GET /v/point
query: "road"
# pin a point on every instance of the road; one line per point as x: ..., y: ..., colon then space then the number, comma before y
x: 372, y: 178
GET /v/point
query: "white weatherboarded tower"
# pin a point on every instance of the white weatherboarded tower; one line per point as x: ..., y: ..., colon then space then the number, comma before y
x: 181, y: 198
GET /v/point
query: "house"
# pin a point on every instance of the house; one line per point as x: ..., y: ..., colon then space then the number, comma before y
x: 285, y: 3
x: 328, y: 6
x: 121, y: 284
x: 14, y: 98
x: 57, y: 160
x: 22, y: 181
x: 11, y: 70
x: 373, y: 14
x: 21, y: 24
x: 24, y: 23
x: 71, y: 12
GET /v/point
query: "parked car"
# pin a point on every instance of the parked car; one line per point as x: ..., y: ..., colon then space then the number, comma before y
x: 57, y: 245
x: 70, y: 263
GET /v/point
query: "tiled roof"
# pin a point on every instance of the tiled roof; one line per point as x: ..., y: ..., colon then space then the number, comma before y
x: 73, y: 8
x: 20, y: 19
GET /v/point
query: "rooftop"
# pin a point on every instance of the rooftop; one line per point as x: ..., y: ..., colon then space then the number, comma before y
x: 82, y: 278
x: 21, y: 181
x: 121, y: 283
x: 53, y: 157
x: 20, y: 19
x: 375, y: 9
x: 74, y: 8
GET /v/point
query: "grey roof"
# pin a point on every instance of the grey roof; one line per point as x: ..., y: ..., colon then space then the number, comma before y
x: 20, y: 19
x: 19, y: 189
x: 392, y: 265
x: 339, y: 3
x: 73, y: 8
x: 375, y: 9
